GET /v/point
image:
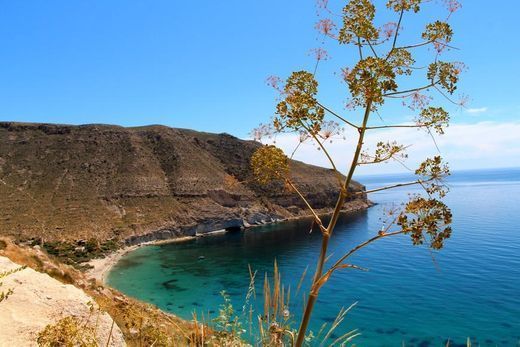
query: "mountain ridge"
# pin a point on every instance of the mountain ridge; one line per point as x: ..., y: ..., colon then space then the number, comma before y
x: 70, y: 182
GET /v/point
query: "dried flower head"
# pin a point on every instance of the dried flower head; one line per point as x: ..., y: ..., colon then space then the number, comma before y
x: 445, y: 74
x: 326, y: 27
x: 384, y: 151
x: 426, y: 219
x: 299, y: 109
x: 262, y: 131
x: 319, y: 54
x: 404, y: 5
x: 269, y: 163
x: 330, y: 129
x: 417, y: 101
x: 369, y: 80
x: 432, y: 172
x: 322, y: 4
x: 434, y: 117
x: 452, y: 5
x: 358, y: 17
x: 439, y: 33
x: 274, y: 82
x: 388, y: 30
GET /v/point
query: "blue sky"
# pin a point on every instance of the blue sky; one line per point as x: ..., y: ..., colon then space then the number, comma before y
x: 203, y: 64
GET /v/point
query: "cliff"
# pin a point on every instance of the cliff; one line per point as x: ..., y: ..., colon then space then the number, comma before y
x: 63, y: 182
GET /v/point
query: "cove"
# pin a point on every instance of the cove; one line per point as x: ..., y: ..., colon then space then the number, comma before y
x: 471, y: 288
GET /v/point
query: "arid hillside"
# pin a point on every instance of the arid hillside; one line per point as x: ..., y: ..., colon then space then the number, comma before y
x: 64, y: 182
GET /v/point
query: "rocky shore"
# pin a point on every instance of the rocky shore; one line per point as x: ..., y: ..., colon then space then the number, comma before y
x: 100, y: 267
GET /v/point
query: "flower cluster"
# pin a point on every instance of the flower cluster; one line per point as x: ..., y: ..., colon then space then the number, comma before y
x: 434, y: 117
x: 426, y: 218
x: 319, y: 54
x: 322, y: 3
x: 401, y: 61
x: 274, y: 82
x: 417, y: 101
x: 262, y: 131
x: 432, y: 172
x: 404, y: 5
x: 326, y: 27
x: 330, y: 129
x: 430, y: 218
x: 384, y: 151
x: 299, y: 108
x: 388, y: 30
x: 358, y: 16
x: 269, y: 163
x: 445, y: 74
x: 452, y: 5
x: 439, y: 33
x: 369, y: 80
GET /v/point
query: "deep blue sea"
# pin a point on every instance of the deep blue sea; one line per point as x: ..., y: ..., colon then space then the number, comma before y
x: 410, y: 295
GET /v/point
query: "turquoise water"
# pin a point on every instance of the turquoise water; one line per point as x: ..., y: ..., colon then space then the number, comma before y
x: 471, y: 288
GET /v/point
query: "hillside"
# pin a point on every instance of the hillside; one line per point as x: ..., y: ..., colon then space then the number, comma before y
x: 63, y: 182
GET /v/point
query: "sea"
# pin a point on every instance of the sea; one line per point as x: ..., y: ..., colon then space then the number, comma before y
x: 407, y: 296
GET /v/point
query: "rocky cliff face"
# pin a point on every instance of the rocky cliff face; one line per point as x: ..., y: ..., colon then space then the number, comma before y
x: 98, y: 181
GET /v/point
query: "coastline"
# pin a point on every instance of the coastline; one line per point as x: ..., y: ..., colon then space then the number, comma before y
x: 102, y: 266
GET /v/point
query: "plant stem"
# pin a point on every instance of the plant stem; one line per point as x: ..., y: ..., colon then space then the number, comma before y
x: 313, y: 295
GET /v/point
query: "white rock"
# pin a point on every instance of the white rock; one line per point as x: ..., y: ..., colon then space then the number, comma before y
x: 39, y: 300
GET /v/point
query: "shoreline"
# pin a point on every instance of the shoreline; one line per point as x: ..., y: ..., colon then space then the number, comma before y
x: 102, y: 266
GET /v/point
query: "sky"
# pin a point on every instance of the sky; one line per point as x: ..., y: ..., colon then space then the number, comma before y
x: 203, y: 65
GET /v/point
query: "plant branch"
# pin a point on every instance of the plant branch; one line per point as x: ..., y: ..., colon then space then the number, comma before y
x: 339, y: 262
x: 397, y: 29
x: 372, y: 48
x: 359, y: 48
x: 416, y: 45
x: 317, y: 219
x: 338, y: 174
x: 336, y: 115
x: 393, y: 186
x: 295, y: 149
x: 397, y: 126
x: 395, y: 35
x: 447, y: 97
x: 410, y: 90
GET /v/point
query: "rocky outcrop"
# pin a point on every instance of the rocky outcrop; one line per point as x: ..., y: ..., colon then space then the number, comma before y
x: 139, y: 184
x: 39, y: 300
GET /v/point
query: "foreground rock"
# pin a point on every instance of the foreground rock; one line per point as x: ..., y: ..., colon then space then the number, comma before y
x: 39, y: 300
x: 60, y: 182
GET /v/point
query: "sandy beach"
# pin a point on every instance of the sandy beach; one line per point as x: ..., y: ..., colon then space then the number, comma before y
x: 101, y: 266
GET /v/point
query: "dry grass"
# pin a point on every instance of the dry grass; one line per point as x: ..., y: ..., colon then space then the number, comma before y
x: 69, y: 331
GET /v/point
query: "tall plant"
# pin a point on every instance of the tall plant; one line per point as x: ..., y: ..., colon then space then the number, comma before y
x: 385, y: 68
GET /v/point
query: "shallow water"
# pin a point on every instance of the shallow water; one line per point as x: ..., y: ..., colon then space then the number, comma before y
x: 471, y: 288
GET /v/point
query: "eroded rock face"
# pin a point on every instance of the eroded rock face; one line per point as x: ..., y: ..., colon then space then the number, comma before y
x: 39, y: 300
x: 78, y: 182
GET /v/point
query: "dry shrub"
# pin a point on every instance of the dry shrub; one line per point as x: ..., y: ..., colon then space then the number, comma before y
x: 68, y: 332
